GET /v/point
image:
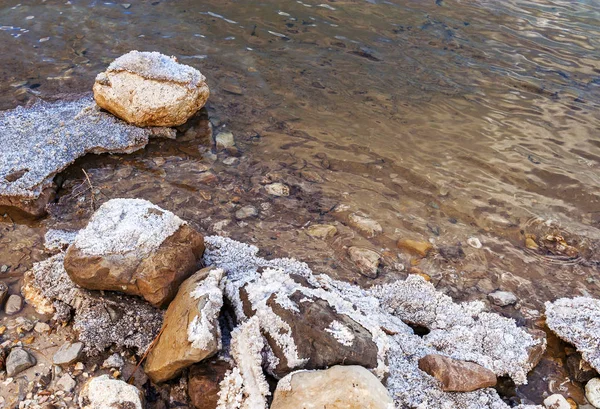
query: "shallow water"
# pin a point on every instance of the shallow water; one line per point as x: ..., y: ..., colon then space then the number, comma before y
x: 442, y: 120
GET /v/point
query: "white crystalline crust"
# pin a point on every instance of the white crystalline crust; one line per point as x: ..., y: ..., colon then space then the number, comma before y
x: 57, y: 240
x: 382, y: 311
x: 156, y: 66
x: 202, y: 329
x: 121, y: 226
x: 577, y: 321
x: 42, y: 140
x: 341, y: 333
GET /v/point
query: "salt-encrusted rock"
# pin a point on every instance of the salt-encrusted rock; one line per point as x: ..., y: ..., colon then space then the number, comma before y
x: 455, y: 375
x: 556, y: 401
x: 13, y: 304
x: 18, y: 360
x: 135, y: 247
x: 366, y: 260
x: 113, y: 361
x: 190, y: 328
x: 103, y: 392
x: 204, y: 382
x: 41, y: 140
x: 592, y: 392
x: 151, y: 89
x: 58, y: 240
x: 101, y: 320
x: 68, y: 353
x: 339, y: 387
x: 365, y: 225
x: 321, y: 231
x: 577, y: 321
x: 502, y: 298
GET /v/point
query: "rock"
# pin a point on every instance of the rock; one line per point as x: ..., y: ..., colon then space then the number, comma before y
x: 419, y: 248
x: 105, y: 393
x: 277, y: 189
x: 592, y: 392
x: 365, y: 225
x: 135, y: 247
x: 246, y: 212
x: 67, y: 353
x: 190, y: 328
x: 232, y: 88
x: 321, y: 231
x: 474, y: 242
x: 151, y: 89
x: 502, y: 298
x: 66, y: 383
x: 579, y: 369
x: 204, y: 383
x: 366, y: 260
x: 224, y: 141
x: 113, y: 361
x: 3, y: 293
x: 13, y: 304
x: 556, y: 401
x: 18, y: 360
x: 46, y: 137
x: 339, y: 387
x: 41, y: 327
x: 455, y: 375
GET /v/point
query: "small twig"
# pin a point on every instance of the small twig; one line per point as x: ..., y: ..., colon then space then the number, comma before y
x: 130, y: 380
x: 91, y: 188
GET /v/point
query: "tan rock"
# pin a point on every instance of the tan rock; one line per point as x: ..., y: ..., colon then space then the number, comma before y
x: 34, y: 297
x: 366, y: 260
x: 365, y: 225
x: 321, y: 231
x: 190, y: 328
x: 103, y: 392
x: 419, y: 248
x: 151, y: 89
x: 455, y: 375
x: 340, y: 387
x: 135, y: 247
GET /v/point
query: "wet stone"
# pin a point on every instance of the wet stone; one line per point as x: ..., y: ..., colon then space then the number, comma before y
x: 41, y: 327
x: 68, y: 353
x: 277, y: 189
x: 246, y: 212
x: 321, y: 231
x: 419, y: 248
x: 224, y: 141
x: 365, y: 225
x: 19, y: 360
x: 366, y: 260
x: 13, y: 304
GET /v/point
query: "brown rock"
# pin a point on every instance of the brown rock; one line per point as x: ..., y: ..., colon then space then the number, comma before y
x: 203, y: 383
x: 321, y: 231
x: 580, y: 370
x: 366, y: 260
x: 455, y: 375
x: 419, y: 248
x: 365, y: 225
x: 154, y: 270
x: 190, y: 329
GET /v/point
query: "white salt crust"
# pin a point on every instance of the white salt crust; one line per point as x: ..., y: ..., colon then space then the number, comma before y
x: 202, y: 329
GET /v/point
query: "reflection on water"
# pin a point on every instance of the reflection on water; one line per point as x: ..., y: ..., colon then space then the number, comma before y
x: 442, y: 120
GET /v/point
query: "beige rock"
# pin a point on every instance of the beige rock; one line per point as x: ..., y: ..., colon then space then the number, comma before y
x: 34, y: 297
x: 103, y: 392
x: 135, y: 247
x: 151, y: 89
x: 365, y: 225
x: 419, y: 248
x: 592, y: 392
x: 321, y: 231
x: 277, y: 189
x: 340, y: 387
x: 455, y: 375
x: 366, y: 260
x: 190, y: 328
x: 556, y: 401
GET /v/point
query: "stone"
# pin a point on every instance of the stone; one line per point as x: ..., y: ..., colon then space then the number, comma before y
x: 68, y: 353
x: 41, y: 327
x: 339, y: 387
x: 556, y: 401
x: 366, y: 260
x: 19, y: 360
x: 190, y: 329
x: 113, y: 361
x: 102, y: 392
x: 592, y: 392
x: 151, y: 89
x: 13, y: 304
x: 135, y: 247
x: 41, y: 140
x: 365, y: 225
x: 3, y: 293
x: 246, y: 212
x: 224, y: 141
x: 419, y: 248
x: 580, y: 370
x: 455, y: 375
x: 321, y: 231
x: 502, y: 298
x: 277, y: 189
x: 66, y: 383
x: 204, y: 381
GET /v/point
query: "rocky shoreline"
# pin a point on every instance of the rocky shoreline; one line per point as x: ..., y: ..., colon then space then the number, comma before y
x: 240, y: 330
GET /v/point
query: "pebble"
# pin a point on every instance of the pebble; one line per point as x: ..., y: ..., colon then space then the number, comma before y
x: 592, y: 392
x: 224, y: 140
x: 66, y: 383
x: 246, y: 212
x: 126, y: 5
x: 67, y: 353
x: 321, y: 231
x: 13, y: 304
x: 474, y: 242
x: 277, y: 189
x: 502, y: 298
x: 41, y: 327
x: 4, y: 268
x: 18, y: 360
x: 556, y: 401
x: 420, y: 248
x: 366, y: 260
x: 365, y: 225
x: 113, y: 361
x: 232, y: 160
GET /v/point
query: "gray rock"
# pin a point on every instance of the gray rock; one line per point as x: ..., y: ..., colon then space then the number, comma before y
x: 224, y: 141
x: 68, y: 353
x: 502, y: 298
x: 13, y: 304
x: 113, y: 361
x: 66, y: 383
x: 18, y: 360
x: 246, y: 212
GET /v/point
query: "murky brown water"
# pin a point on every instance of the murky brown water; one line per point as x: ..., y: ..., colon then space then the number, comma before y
x: 442, y: 120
